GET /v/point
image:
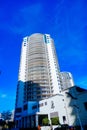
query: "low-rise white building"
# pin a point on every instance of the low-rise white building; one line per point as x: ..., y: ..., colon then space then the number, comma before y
x: 70, y: 107
x: 33, y: 112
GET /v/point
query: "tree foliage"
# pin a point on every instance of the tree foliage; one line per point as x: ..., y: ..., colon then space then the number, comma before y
x: 6, y: 115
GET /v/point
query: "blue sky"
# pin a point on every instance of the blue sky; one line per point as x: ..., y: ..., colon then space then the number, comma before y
x: 64, y: 20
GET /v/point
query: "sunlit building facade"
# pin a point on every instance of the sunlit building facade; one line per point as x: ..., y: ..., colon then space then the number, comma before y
x: 66, y: 80
x: 39, y: 74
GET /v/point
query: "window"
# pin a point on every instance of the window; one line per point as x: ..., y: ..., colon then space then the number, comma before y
x: 18, y: 110
x: 52, y: 105
x: 24, y: 44
x: 34, y: 107
x: 25, y: 107
x: 45, y: 103
x: 85, y: 105
x: 40, y: 105
x: 64, y: 118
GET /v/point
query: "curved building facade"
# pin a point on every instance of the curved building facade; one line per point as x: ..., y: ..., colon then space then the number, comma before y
x: 39, y: 74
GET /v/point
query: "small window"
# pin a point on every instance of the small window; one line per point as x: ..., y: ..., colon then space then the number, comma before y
x: 64, y: 118
x: 34, y: 107
x: 25, y: 107
x: 40, y: 105
x: 85, y: 104
x: 45, y: 103
x: 18, y: 110
x: 24, y: 44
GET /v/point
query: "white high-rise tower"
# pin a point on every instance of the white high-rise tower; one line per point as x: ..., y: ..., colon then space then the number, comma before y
x: 39, y: 70
x: 39, y: 74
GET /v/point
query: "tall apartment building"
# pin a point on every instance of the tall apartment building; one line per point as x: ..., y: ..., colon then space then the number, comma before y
x: 39, y: 74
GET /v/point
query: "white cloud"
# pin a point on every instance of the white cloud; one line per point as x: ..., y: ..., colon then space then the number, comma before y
x: 3, y: 95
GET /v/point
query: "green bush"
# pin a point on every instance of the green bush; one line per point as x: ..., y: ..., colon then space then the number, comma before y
x: 45, y: 121
x: 55, y: 121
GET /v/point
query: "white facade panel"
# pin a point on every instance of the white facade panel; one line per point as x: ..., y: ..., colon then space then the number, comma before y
x: 52, y: 70
x: 22, y: 68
